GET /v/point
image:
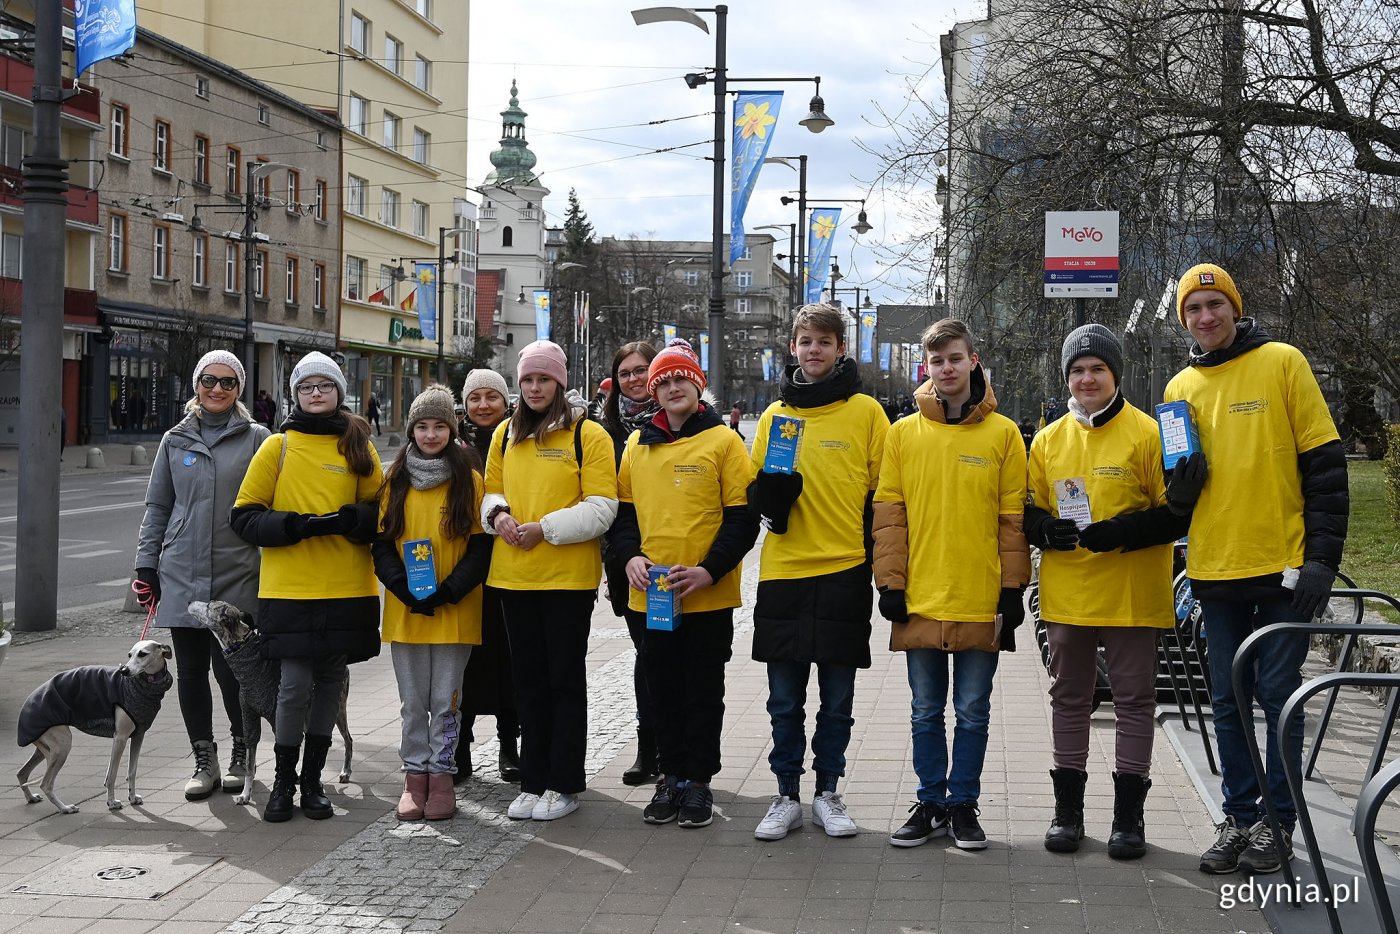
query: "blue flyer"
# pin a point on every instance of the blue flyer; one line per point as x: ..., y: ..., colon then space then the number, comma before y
x: 663, y: 609
x: 1180, y: 437
x: 784, y: 437
x: 422, y: 570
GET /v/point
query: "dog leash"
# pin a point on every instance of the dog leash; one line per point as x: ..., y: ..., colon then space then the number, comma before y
x: 145, y: 597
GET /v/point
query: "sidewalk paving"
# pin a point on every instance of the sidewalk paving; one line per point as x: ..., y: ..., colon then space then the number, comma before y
x: 602, y: 868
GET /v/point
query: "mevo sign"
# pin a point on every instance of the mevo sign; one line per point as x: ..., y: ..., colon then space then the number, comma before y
x: 1081, y: 254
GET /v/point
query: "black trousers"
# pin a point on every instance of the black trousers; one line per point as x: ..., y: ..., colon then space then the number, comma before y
x: 196, y: 651
x: 686, y: 671
x: 548, y: 646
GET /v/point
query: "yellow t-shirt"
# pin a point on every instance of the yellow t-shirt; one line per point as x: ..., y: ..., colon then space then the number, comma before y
x: 1120, y: 466
x: 955, y: 482
x: 423, y: 512
x: 839, y: 459
x: 315, y: 479
x: 680, y: 490
x: 538, y: 477
x: 1255, y: 413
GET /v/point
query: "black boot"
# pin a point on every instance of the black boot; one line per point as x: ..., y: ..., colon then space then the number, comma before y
x: 644, y: 770
x: 284, y: 785
x: 314, y: 803
x: 463, y: 758
x: 509, y: 760
x: 1067, y: 829
x: 1128, y: 840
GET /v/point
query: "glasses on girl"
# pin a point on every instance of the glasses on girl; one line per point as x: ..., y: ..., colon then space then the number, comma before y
x: 226, y: 383
x: 306, y: 389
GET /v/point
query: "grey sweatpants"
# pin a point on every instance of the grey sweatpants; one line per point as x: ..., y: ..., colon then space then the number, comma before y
x: 430, y: 691
x: 1131, y: 653
x: 309, y: 683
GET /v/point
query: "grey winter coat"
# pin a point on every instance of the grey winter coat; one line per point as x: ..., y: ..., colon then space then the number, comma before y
x: 185, y: 534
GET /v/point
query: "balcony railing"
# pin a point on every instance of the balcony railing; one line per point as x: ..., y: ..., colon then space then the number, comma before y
x: 79, y: 305
x: 82, y: 202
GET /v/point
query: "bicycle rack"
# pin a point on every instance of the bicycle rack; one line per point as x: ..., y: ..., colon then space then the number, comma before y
x: 1368, y: 805
x: 1343, y: 661
x: 1243, y: 657
x: 1201, y: 664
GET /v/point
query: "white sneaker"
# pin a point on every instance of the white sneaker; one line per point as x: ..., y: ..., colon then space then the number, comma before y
x: 523, y: 807
x: 829, y: 813
x: 554, y: 805
x: 784, y: 814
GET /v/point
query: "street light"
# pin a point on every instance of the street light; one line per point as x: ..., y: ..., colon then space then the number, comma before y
x: 862, y: 224
x: 815, y: 121
x: 857, y: 308
x: 801, y: 217
x: 400, y: 275
x: 250, y: 235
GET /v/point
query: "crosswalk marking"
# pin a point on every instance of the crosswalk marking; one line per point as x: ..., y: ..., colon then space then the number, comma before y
x: 95, y: 554
x: 114, y: 582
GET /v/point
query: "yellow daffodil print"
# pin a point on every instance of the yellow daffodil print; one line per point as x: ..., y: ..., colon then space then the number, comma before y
x: 755, y: 121
x: 868, y: 320
x: 425, y: 275
x: 788, y: 431
x: 663, y: 585
x: 422, y: 552
x: 823, y: 226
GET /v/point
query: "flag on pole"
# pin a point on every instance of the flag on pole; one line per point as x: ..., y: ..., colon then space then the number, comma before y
x: 767, y: 363
x: 102, y: 29
x: 408, y: 300
x: 885, y: 357
x: 820, y: 235
x: 705, y: 351
x: 380, y: 298
x: 426, y: 302
x: 668, y: 332
x: 867, y: 334
x: 542, y: 329
x: 755, y: 112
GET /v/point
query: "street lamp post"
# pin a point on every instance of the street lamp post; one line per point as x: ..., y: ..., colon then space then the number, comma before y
x: 400, y: 274
x: 250, y: 237
x: 801, y: 226
x: 815, y: 121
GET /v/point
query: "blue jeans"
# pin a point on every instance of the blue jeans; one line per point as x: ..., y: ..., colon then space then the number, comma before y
x: 787, y: 699
x: 1277, y: 673
x: 972, y: 706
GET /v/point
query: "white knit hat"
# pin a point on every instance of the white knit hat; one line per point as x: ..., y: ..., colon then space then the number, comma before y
x: 318, y: 364
x: 484, y: 379
x: 219, y: 356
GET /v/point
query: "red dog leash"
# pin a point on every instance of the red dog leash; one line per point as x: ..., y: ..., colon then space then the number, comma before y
x: 146, y: 597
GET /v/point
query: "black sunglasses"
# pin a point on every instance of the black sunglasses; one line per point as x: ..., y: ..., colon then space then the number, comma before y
x: 226, y: 383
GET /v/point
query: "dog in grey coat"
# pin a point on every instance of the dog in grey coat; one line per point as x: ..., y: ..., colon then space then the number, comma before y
x: 117, y: 701
x: 258, y: 680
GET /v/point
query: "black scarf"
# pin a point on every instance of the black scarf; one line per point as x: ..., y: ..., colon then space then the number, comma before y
x: 843, y: 383
x: 658, y: 429
x: 1248, y: 335
x: 333, y: 424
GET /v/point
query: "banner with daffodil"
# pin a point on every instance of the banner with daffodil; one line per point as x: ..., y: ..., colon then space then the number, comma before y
x: 867, y: 334
x: 755, y: 113
x: 425, y: 291
x: 821, y: 232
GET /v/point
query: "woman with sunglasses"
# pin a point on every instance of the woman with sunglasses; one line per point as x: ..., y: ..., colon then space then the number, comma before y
x: 187, y: 551
x: 310, y: 502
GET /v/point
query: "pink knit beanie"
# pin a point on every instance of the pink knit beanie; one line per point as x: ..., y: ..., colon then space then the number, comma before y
x: 544, y: 357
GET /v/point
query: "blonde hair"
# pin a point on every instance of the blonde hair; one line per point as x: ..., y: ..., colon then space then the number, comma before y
x: 825, y: 319
x: 193, y: 407
x: 941, y: 332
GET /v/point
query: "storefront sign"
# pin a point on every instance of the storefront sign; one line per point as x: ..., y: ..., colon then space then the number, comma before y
x: 398, y: 331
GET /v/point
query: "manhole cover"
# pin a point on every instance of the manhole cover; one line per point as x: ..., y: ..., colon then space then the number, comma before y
x: 116, y: 874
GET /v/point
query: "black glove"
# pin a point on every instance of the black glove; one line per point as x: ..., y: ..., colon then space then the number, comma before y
x: 1106, y: 535
x: 1049, y: 532
x: 399, y: 588
x: 774, y: 494
x: 893, y: 607
x: 301, y: 525
x: 359, y: 522
x: 1012, y: 610
x: 1185, y: 482
x: 151, y: 578
x: 439, y: 597
x: 1313, y: 588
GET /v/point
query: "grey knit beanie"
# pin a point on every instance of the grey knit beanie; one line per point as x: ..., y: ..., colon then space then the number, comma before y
x: 434, y: 402
x: 484, y: 379
x: 318, y: 364
x: 219, y: 356
x: 1093, y: 340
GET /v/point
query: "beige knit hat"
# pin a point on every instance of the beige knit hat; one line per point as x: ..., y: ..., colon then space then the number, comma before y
x: 434, y: 402
x: 484, y: 379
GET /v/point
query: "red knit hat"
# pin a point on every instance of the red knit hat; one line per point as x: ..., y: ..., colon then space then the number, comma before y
x: 677, y: 359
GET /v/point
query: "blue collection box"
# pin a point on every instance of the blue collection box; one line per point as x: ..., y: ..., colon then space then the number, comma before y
x: 422, y: 570
x: 784, y: 438
x: 663, y: 609
x: 1177, y: 424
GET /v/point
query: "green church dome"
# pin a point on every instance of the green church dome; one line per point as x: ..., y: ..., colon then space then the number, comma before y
x: 513, y: 160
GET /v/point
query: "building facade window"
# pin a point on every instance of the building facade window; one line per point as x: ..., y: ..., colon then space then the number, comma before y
x: 359, y: 33
x: 355, y: 195
x: 260, y: 274
x: 748, y: 252
x: 692, y: 277
x: 743, y: 306
x: 233, y: 171
x: 293, y: 191
x: 199, y: 251
x: 507, y: 236
x: 391, y: 130
x: 160, y: 152
x: 743, y: 279
x: 119, y: 124
x: 116, y: 243
x: 354, y: 277
x: 393, y: 54
x: 262, y: 185
x: 320, y: 199
x: 422, y: 145
x: 201, y: 160
x: 423, y: 74
x: 389, y: 208
x: 318, y: 286
x: 292, y: 296
x: 160, y: 252
x: 359, y: 115
x: 201, y: 87
x: 420, y: 219
x: 626, y: 276
x: 230, y: 267
x: 424, y: 8
x: 11, y: 256
x: 264, y: 114
x: 14, y: 141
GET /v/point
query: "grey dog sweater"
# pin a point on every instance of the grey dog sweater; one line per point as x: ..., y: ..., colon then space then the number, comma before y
x: 87, y: 698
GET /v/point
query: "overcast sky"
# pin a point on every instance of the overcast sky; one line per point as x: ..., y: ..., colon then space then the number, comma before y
x: 591, y: 81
